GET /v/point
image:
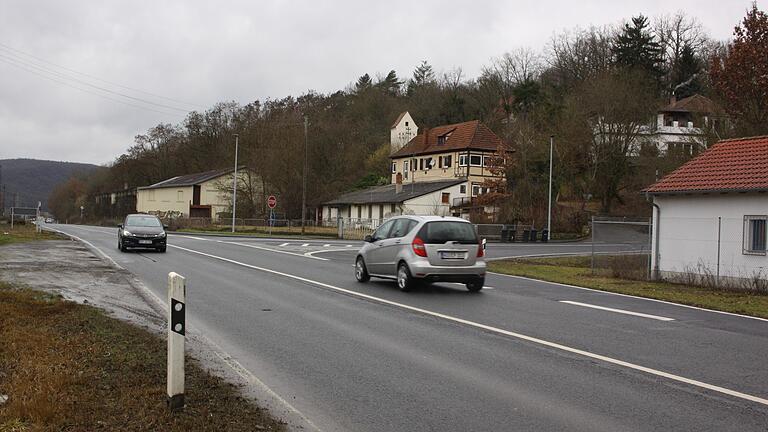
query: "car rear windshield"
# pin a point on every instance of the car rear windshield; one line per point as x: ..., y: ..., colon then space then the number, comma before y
x: 445, y: 231
x: 142, y: 221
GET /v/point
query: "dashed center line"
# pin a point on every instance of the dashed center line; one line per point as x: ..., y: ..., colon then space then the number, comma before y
x: 621, y: 311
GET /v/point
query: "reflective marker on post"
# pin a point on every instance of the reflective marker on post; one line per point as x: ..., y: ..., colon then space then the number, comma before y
x: 176, y: 330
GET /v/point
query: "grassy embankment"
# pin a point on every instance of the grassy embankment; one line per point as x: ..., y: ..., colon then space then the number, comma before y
x: 576, y: 271
x: 67, y: 366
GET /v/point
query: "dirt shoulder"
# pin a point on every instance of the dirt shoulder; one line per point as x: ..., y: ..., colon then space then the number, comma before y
x: 67, y: 365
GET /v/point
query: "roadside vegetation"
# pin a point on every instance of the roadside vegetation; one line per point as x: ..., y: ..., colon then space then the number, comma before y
x: 262, y: 231
x: 23, y: 233
x: 65, y: 366
x: 577, y: 271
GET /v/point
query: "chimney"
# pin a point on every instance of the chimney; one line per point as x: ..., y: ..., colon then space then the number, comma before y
x: 398, y: 183
x: 672, y: 99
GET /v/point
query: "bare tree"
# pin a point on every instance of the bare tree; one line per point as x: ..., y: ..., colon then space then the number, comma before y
x: 582, y: 54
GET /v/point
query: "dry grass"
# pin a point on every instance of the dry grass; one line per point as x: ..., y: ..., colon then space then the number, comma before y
x: 23, y: 233
x: 69, y: 367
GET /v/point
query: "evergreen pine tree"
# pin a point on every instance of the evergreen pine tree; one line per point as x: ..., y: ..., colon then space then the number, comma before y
x: 637, y: 48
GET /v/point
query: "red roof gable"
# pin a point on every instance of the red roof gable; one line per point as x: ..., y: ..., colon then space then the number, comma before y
x: 460, y: 136
x: 735, y: 165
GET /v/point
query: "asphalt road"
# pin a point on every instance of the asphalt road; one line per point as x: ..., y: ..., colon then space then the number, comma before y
x: 520, y: 355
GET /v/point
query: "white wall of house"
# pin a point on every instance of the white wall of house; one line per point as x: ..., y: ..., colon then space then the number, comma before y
x: 688, y: 234
x: 402, y: 132
x: 432, y: 204
x: 164, y: 200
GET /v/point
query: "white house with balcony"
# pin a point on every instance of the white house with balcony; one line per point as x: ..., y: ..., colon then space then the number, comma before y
x: 710, y: 216
x: 681, y: 125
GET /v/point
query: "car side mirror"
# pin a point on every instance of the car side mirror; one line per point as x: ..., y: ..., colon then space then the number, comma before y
x: 165, y: 227
x: 368, y: 239
x: 120, y: 226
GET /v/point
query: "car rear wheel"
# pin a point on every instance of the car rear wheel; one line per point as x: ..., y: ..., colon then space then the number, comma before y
x: 361, y: 272
x: 476, y: 286
x: 404, y: 279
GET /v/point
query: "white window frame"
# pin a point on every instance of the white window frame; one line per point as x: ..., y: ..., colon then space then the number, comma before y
x: 476, y: 190
x: 463, y: 189
x: 405, y: 170
x: 394, y: 167
x: 447, y: 161
x: 748, y: 242
x: 462, y: 160
x: 472, y: 156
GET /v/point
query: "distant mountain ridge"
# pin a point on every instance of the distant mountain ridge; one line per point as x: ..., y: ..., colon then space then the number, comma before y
x: 34, y: 180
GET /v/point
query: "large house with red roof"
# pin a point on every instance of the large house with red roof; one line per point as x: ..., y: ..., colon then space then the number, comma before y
x: 439, y: 171
x: 711, y: 214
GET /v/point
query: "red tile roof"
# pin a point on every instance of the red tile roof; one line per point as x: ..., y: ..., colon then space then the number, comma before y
x: 735, y: 165
x: 471, y: 135
x: 695, y: 104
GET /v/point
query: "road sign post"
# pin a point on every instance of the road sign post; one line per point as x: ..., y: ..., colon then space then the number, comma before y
x: 176, y: 331
x: 271, y: 203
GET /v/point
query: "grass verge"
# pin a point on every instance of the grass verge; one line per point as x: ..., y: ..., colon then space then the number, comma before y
x: 23, y: 233
x: 67, y: 366
x: 576, y: 271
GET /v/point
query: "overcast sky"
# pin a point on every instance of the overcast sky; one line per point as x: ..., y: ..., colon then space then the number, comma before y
x: 183, y: 55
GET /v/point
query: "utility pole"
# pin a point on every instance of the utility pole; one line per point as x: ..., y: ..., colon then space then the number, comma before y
x: 549, y: 207
x: 304, y: 179
x: 234, y: 186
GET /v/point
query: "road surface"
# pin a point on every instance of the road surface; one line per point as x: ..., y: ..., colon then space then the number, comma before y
x: 520, y: 355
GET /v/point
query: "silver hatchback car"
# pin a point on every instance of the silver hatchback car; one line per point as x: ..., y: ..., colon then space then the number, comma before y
x: 423, y: 248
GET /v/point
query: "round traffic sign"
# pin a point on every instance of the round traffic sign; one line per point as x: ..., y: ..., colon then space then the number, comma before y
x: 271, y: 201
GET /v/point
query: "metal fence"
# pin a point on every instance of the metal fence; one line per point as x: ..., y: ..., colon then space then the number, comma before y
x: 621, y: 247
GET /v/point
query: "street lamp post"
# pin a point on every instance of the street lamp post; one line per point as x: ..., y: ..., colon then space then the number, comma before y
x: 234, y: 186
x: 304, y: 180
x: 549, y: 207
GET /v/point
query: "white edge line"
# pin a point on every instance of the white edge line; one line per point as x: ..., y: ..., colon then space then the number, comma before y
x: 543, y: 342
x: 633, y: 296
x: 217, y: 350
x: 621, y: 311
x: 312, y: 254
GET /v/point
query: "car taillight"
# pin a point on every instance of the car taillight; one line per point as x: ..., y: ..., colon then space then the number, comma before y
x: 480, y: 249
x: 418, y: 247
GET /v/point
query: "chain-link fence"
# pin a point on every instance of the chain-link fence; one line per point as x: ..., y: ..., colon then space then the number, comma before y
x: 621, y: 247
x: 715, y: 252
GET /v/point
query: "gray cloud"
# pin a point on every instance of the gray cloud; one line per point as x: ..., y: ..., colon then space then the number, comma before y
x: 205, y: 52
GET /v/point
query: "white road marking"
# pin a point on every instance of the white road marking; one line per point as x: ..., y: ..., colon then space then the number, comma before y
x: 459, y: 283
x: 285, y: 244
x: 191, y: 237
x: 349, y: 245
x: 621, y: 311
x: 488, y: 328
x: 327, y: 245
x: 270, y: 250
x: 312, y: 254
x: 631, y: 296
x: 305, y: 245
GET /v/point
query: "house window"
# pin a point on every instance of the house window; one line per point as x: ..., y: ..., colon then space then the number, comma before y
x: 370, y: 211
x: 349, y: 212
x: 475, y: 190
x: 486, y: 160
x: 463, y: 189
x: 405, y: 170
x: 421, y: 164
x: 475, y: 160
x: 394, y: 167
x: 754, y: 235
x: 446, y: 197
x: 413, y: 164
x: 381, y: 211
x: 439, y: 161
x: 447, y: 161
x: 392, y: 208
x: 428, y: 163
x: 359, y: 212
x: 463, y: 160
x: 441, y: 140
x: 180, y: 196
x: 406, y: 123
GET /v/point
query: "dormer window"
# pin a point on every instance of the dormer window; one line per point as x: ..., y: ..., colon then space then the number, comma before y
x: 441, y: 140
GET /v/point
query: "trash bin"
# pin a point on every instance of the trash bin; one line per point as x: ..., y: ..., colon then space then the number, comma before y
x: 545, y: 235
x: 526, y: 235
x: 512, y: 233
x: 504, y: 235
x: 533, y: 235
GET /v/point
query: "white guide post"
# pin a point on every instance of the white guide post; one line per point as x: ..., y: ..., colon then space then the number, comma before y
x: 176, y: 330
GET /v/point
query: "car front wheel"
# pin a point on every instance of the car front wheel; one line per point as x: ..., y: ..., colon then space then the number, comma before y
x: 404, y: 279
x: 361, y: 272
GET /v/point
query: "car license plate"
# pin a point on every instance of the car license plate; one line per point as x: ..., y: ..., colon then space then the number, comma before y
x: 452, y: 255
x: 145, y: 241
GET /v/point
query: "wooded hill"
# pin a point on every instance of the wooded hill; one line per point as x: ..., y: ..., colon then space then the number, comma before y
x: 609, y: 79
x: 33, y: 180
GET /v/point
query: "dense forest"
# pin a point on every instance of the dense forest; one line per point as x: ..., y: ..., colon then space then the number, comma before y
x: 29, y: 181
x: 609, y: 79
